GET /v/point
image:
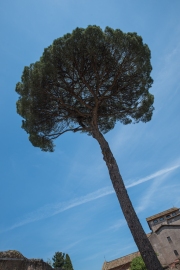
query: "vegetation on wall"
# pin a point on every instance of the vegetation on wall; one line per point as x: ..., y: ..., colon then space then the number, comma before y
x: 138, y: 264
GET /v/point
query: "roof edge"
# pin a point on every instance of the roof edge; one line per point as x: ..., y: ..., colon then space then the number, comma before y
x: 123, y: 256
x: 162, y: 213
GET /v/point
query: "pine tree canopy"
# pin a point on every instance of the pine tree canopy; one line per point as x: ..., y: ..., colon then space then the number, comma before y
x: 62, y: 260
x: 89, y: 78
x: 58, y: 259
x: 68, y: 264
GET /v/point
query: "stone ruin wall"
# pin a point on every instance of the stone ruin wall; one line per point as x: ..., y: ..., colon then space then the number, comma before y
x: 14, y: 260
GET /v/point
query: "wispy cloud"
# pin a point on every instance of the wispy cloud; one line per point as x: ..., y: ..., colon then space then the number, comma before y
x: 170, y: 64
x: 152, y: 176
x: 117, y: 225
x: 70, y: 246
x: 54, y: 209
x: 147, y: 198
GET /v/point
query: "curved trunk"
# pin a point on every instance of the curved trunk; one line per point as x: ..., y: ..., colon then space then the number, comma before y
x: 149, y: 256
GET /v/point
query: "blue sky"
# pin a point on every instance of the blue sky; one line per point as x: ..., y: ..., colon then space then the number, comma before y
x: 64, y: 201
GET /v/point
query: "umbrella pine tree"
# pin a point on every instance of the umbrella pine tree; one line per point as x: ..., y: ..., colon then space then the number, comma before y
x: 87, y: 81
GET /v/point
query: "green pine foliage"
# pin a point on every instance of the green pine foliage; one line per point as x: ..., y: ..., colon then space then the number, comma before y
x: 138, y: 264
x: 68, y: 264
x: 58, y: 260
x: 86, y: 78
x: 62, y: 260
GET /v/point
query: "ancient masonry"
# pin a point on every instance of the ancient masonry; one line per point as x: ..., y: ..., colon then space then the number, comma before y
x: 14, y: 260
x: 165, y: 239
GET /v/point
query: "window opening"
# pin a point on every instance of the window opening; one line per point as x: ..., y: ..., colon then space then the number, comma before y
x: 176, y: 253
x: 155, y: 221
x: 169, y: 239
x: 168, y: 216
x: 161, y: 219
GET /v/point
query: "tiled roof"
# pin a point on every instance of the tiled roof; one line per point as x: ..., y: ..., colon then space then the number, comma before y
x: 162, y: 213
x: 120, y: 261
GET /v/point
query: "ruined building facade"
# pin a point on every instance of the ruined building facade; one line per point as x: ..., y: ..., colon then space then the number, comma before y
x: 14, y: 260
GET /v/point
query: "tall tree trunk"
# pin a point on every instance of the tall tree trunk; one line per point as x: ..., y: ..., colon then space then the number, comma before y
x: 149, y: 256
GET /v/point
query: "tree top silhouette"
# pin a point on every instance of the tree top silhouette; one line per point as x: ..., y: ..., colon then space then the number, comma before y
x: 86, y: 80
